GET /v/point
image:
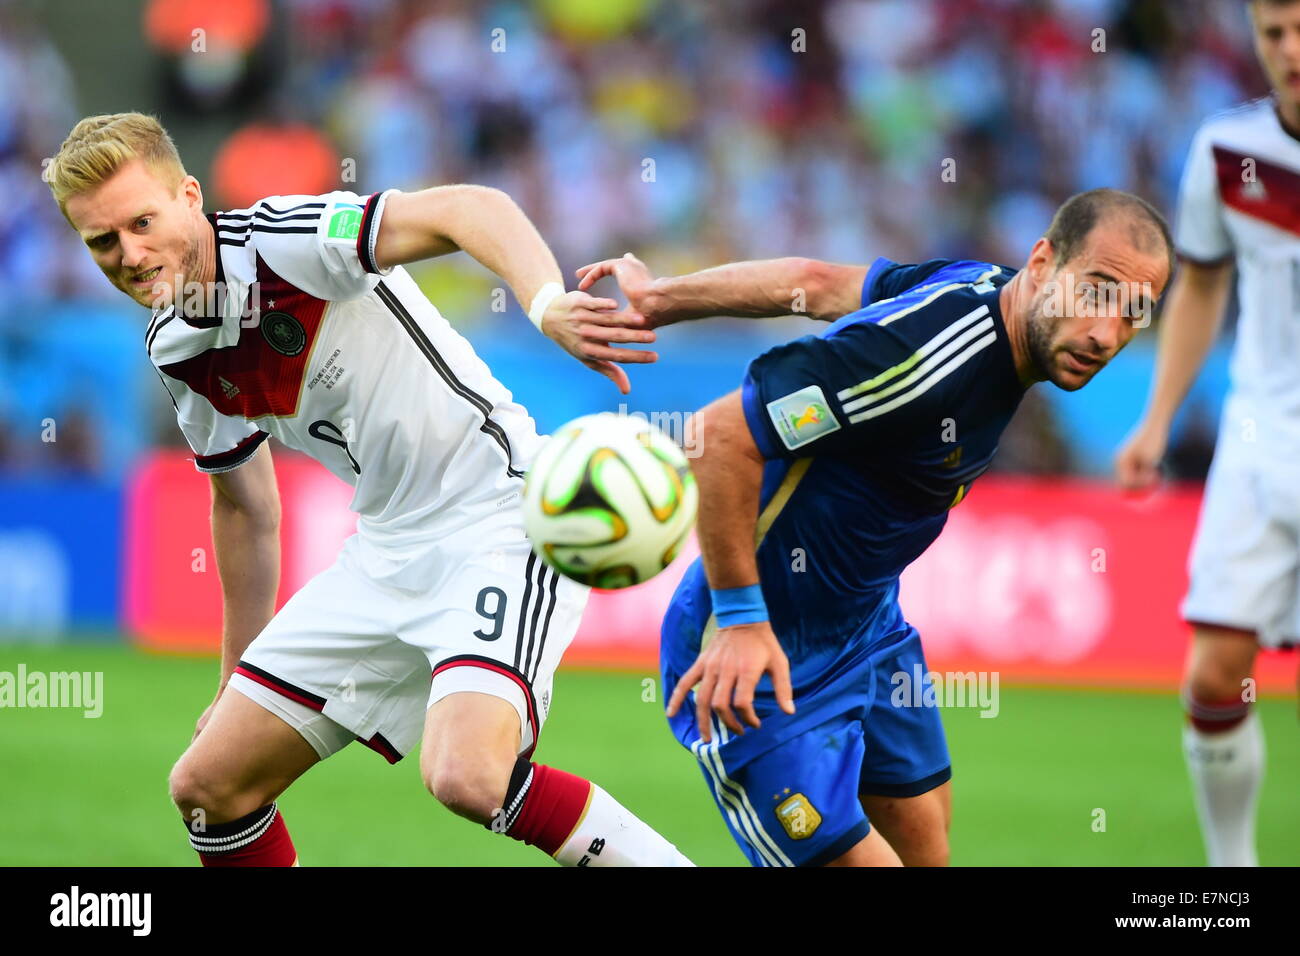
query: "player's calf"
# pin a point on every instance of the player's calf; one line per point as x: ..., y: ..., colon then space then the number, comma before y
x: 1223, y: 743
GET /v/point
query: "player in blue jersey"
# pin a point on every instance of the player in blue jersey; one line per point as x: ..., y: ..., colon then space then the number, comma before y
x: 829, y: 471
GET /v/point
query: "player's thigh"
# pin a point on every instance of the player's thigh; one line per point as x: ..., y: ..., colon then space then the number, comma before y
x: 1244, y: 565
x: 245, y: 757
x: 497, y: 624
x: 872, y: 850
x: 1219, y: 662
x: 916, y: 827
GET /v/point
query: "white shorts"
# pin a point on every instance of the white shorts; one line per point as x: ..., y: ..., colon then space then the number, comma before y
x: 349, y: 659
x: 1245, y: 561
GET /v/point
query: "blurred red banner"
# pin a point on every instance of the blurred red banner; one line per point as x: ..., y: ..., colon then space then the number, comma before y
x: 1042, y: 581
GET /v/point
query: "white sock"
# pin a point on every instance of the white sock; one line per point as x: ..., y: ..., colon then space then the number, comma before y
x: 1226, y: 771
x: 610, y: 835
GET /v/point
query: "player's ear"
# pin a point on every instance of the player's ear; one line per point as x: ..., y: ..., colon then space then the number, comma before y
x: 191, y: 192
x: 1041, y: 260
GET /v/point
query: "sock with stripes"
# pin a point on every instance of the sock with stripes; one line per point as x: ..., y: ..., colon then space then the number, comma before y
x: 259, y: 839
x: 1224, y: 746
x: 577, y: 822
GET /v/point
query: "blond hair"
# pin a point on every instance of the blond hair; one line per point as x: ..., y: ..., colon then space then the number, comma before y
x: 99, y: 146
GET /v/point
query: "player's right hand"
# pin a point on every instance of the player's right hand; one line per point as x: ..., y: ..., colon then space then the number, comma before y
x: 1137, y: 464
x: 728, y: 670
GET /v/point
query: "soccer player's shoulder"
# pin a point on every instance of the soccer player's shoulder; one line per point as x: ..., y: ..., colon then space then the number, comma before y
x: 1246, y: 121
x: 319, y: 243
x: 920, y: 300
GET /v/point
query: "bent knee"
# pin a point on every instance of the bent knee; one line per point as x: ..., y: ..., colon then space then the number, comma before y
x: 194, y: 789
x: 1215, y: 677
x: 468, y: 787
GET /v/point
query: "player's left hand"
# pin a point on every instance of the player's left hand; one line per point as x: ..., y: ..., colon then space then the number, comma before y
x: 589, y: 329
x: 727, y: 672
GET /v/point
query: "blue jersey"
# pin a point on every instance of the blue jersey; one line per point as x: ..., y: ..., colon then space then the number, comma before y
x: 872, y: 431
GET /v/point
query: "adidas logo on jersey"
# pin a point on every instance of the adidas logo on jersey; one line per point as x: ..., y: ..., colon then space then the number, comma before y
x: 230, y: 388
x: 1255, y: 191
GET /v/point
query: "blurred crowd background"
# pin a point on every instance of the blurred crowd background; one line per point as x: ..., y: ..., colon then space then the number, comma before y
x: 690, y: 133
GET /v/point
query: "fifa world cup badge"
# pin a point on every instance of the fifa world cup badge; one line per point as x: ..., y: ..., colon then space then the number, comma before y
x: 802, y: 416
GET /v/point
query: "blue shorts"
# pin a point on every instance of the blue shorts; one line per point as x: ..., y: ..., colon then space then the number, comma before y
x: 789, y: 789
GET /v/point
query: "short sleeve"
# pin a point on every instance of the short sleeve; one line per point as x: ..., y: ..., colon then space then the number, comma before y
x: 1200, y: 233
x: 887, y: 279
x: 324, y: 245
x: 220, y: 442
x: 833, y: 394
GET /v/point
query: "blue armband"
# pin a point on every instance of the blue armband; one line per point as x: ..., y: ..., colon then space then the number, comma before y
x: 739, y: 605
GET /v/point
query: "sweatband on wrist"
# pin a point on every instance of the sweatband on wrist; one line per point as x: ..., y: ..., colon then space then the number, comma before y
x: 739, y: 605
x: 542, y: 301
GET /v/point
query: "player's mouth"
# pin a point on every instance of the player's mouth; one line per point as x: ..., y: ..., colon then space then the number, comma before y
x: 1083, y: 363
x: 146, y: 278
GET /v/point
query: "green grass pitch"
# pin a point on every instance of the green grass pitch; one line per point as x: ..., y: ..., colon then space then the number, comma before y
x: 93, y: 792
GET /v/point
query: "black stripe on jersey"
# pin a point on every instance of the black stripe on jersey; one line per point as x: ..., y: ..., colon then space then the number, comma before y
x: 228, y: 460
x: 261, y: 209
x: 363, y: 234
x: 258, y: 227
x: 523, y: 610
x: 537, y: 613
x: 489, y: 427
x: 546, y: 624
x: 169, y: 391
x: 155, y: 328
x: 243, y: 218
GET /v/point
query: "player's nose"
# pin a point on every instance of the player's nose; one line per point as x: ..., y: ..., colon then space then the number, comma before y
x: 133, y: 251
x: 1106, y: 335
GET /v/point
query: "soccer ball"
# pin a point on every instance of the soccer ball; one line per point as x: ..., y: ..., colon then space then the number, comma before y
x: 609, y: 501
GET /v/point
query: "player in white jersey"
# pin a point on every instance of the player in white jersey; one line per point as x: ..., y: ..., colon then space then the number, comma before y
x: 1239, y: 203
x: 294, y: 319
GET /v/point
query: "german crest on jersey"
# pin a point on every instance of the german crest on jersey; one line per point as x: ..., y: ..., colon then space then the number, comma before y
x: 283, y: 333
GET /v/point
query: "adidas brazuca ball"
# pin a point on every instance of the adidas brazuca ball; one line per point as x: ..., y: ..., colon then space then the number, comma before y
x: 609, y: 500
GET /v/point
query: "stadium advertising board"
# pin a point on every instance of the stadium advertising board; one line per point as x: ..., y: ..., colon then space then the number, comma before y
x: 1037, y: 580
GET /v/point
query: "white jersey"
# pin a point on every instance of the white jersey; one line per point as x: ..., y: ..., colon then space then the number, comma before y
x: 1240, y: 197
x: 315, y: 345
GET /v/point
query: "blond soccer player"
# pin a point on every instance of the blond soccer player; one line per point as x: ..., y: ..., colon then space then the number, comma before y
x: 294, y: 319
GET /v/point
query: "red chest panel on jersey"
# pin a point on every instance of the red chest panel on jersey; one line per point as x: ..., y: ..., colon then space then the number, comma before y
x: 263, y: 373
x: 1259, y: 189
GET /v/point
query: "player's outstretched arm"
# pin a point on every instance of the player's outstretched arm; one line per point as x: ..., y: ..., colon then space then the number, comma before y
x: 758, y: 289
x: 729, y: 472
x: 246, y: 539
x: 489, y: 226
x: 1192, y: 317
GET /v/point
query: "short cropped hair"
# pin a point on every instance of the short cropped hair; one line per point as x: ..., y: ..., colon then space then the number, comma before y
x: 1079, y: 214
x: 99, y: 146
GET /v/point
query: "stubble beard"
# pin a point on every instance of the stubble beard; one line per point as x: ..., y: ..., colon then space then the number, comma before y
x: 164, y: 295
x: 1039, y: 331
